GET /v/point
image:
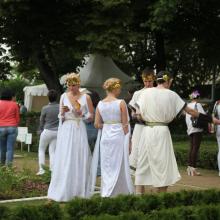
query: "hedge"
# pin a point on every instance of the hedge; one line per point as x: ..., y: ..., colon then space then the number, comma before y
x: 79, y: 208
x: 42, y: 212
x: 207, y: 157
x: 204, y: 212
x: 193, y: 205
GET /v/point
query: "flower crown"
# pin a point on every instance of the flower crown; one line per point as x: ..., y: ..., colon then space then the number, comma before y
x: 148, y: 78
x: 195, y: 94
x: 73, y: 79
x: 112, y: 85
x: 165, y: 77
x: 115, y: 85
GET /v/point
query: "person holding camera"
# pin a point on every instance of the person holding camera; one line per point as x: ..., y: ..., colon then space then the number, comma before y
x: 195, y: 134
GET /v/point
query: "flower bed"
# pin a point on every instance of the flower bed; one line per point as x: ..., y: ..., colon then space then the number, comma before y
x: 21, y: 184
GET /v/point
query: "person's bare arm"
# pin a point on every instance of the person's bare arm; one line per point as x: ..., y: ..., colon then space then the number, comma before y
x: 90, y: 108
x: 195, y: 114
x: 191, y: 112
x: 124, y: 117
x: 98, y: 120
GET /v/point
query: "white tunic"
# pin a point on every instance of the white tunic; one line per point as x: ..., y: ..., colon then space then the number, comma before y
x: 136, y: 132
x: 190, y: 128
x: 114, y: 152
x: 156, y: 163
x: 72, y: 156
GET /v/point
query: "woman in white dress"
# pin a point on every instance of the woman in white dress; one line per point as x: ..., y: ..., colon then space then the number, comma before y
x: 158, y: 106
x: 112, y: 118
x: 148, y: 77
x: 72, y: 156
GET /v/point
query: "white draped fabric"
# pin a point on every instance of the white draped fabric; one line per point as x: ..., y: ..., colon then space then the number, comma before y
x: 72, y: 157
x: 156, y: 163
x: 114, y: 151
x: 138, y: 128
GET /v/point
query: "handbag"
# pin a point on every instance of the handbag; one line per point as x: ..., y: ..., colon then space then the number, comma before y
x: 199, y: 122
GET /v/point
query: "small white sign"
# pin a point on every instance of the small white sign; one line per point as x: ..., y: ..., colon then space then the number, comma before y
x: 21, y: 137
x: 22, y: 130
x: 28, y: 139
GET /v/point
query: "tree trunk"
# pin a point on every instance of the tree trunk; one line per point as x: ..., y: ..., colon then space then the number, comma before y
x: 160, y: 51
x: 50, y: 78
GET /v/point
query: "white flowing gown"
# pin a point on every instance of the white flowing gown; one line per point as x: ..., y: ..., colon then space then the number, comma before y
x: 138, y: 128
x: 156, y: 163
x: 114, y: 152
x: 72, y: 156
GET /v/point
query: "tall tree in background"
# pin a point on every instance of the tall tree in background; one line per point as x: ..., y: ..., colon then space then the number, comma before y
x: 54, y: 36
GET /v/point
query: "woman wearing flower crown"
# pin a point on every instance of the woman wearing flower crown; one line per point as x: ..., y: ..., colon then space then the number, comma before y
x: 195, y: 134
x: 72, y: 157
x: 156, y: 164
x: 112, y: 120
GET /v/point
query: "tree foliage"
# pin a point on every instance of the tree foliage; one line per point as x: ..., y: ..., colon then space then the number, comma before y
x: 53, y: 36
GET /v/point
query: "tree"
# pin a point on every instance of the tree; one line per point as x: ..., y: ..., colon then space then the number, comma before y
x: 37, y: 31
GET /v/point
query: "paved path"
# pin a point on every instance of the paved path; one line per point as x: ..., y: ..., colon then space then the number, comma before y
x: 208, y: 180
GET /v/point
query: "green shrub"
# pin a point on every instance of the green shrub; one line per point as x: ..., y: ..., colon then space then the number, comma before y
x: 50, y: 211
x: 79, y: 208
x: 205, y: 212
x: 207, y: 157
x: 3, y: 212
x: 31, y: 120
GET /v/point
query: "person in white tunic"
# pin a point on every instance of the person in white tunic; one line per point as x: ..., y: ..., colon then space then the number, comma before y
x: 72, y: 157
x: 148, y: 77
x: 195, y: 135
x: 112, y: 119
x: 158, y: 106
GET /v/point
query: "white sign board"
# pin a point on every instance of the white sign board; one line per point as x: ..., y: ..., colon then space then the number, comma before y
x: 28, y: 139
x: 22, y: 131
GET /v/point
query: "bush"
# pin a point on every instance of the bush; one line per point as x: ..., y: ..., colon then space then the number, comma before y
x: 3, y: 212
x: 205, y: 212
x: 207, y: 154
x: 17, y: 85
x: 31, y: 120
x: 79, y: 208
x: 42, y: 212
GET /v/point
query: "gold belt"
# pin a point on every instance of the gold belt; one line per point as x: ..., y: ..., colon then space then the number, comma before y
x: 112, y: 122
x: 153, y: 124
x: 74, y: 119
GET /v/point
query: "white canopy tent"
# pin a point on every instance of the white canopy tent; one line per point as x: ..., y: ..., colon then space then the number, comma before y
x: 96, y: 70
x: 35, y: 97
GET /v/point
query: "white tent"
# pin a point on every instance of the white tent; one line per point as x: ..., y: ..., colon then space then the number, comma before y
x: 35, y: 97
x: 96, y: 70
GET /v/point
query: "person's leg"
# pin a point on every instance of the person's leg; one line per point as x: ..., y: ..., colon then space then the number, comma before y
x: 11, y: 139
x: 190, y: 150
x: 196, y: 145
x: 52, y: 148
x: 43, y: 143
x: 190, y: 155
x: 3, y: 145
